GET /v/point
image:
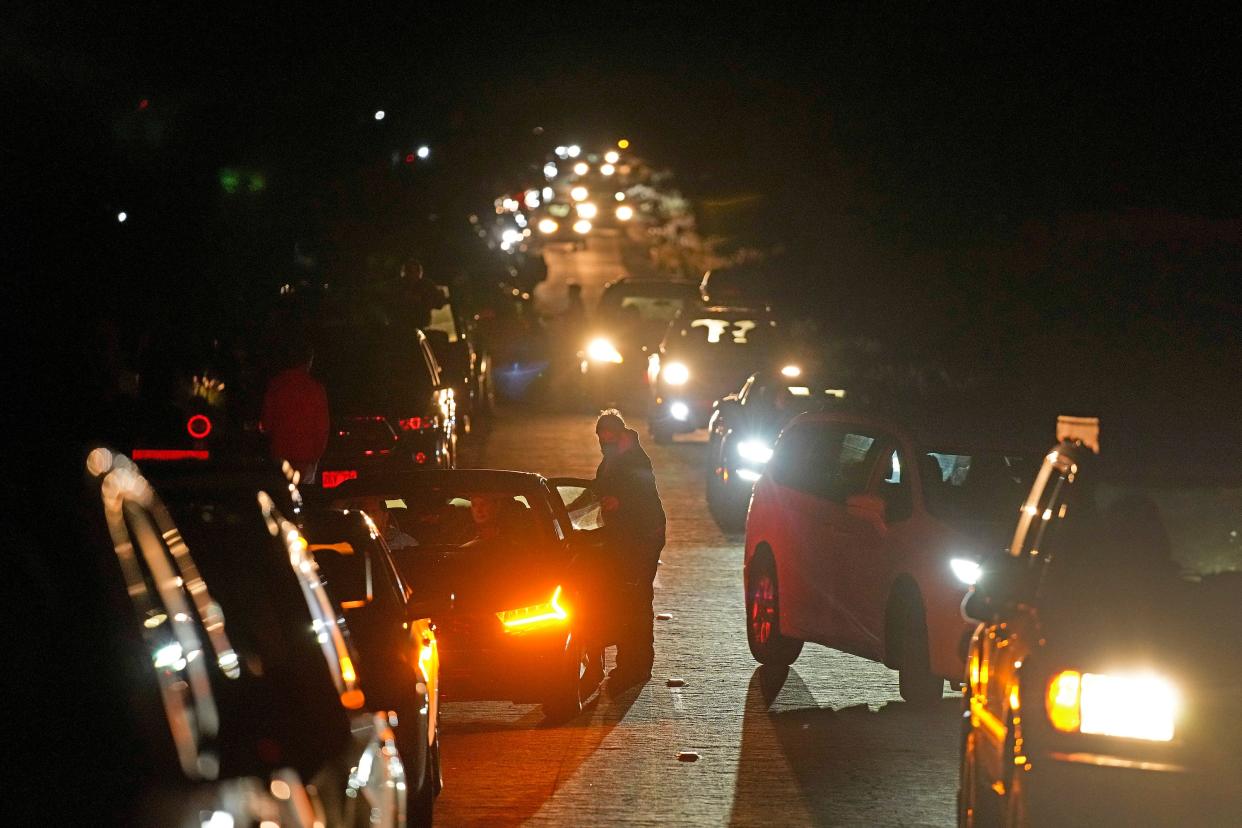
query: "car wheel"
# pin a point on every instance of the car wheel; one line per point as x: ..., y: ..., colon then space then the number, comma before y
x: 916, y: 682
x: 570, y: 690
x: 763, y: 616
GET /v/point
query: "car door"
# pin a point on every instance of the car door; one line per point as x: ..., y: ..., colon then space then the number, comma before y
x: 582, y: 511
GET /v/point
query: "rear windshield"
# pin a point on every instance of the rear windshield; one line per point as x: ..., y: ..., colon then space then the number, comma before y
x: 650, y: 303
x: 455, y: 515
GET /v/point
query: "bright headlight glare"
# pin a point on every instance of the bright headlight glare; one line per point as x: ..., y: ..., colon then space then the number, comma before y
x: 601, y: 350
x: 587, y: 210
x: 548, y: 226
x: 1137, y: 706
x: 582, y: 227
x: 676, y: 373
x: 791, y: 371
x: 756, y: 451
x: 966, y: 570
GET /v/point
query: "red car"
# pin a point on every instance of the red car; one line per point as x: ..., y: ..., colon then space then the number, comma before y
x: 863, y: 536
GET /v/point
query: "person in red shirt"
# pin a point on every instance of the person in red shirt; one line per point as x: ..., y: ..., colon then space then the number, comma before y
x: 295, y: 416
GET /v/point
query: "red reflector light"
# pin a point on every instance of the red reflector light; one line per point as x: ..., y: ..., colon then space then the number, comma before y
x: 171, y: 454
x: 411, y: 423
x: 332, y: 479
x: 199, y: 426
x: 420, y: 457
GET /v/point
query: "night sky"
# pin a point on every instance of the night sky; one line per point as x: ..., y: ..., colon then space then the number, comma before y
x: 958, y: 171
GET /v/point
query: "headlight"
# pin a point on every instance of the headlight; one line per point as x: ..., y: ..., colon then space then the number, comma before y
x: 625, y: 212
x: 791, y: 371
x: 966, y: 570
x: 534, y: 616
x: 582, y: 227
x: 676, y: 373
x: 548, y: 226
x: 1128, y: 706
x: 587, y: 210
x: 756, y: 451
x: 601, y: 350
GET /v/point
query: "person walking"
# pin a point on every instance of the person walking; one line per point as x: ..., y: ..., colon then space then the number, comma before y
x: 295, y: 415
x: 634, y: 535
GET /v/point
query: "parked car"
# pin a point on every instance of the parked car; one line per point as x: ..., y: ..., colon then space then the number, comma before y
x: 631, y: 318
x: 490, y: 554
x: 240, y: 524
x: 859, y: 535
x: 1104, y: 678
x: 387, y: 402
x: 744, y: 426
x: 462, y: 368
x: 705, y: 354
x: 398, y: 656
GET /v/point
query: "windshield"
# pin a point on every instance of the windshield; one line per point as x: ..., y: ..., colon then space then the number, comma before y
x: 1195, y: 529
x: 979, y: 486
x: 454, y: 516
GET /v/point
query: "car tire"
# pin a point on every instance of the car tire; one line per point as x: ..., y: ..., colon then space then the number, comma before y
x: 577, y: 681
x: 916, y: 682
x: 763, y: 623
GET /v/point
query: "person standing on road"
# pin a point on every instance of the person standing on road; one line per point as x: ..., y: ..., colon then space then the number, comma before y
x: 295, y: 415
x: 634, y: 535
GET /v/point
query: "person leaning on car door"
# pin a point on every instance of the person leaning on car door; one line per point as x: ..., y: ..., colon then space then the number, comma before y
x: 295, y: 414
x: 633, y: 535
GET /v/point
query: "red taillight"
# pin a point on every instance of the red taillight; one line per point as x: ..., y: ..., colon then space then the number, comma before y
x: 199, y: 426
x: 411, y: 423
x: 420, y: 457
x: 171, y: 454
x: 332, y: 479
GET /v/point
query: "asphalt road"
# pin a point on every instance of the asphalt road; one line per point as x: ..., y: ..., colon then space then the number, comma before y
x: 827, y: 743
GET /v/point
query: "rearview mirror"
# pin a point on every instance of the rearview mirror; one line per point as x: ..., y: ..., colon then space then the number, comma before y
x: 346, y: 571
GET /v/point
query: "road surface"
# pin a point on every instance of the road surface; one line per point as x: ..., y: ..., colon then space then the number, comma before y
x: 830, y: 743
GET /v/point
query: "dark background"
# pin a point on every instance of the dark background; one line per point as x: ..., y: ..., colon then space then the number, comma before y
x: 1036, y: 203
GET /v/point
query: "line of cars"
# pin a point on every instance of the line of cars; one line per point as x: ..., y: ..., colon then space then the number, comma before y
x: 1088, y: 640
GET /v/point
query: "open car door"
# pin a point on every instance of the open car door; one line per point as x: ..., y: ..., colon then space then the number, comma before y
x: 580, y: 500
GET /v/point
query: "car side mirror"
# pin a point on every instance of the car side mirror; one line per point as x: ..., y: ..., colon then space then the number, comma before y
x: 997, y: 589
x: 346, y: 571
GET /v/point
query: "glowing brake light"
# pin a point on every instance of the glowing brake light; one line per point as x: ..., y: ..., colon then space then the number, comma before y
x: 171, y: 454
x: 411, y: 423
x: 332, y: 479
x: 537, y: 615
x: 198, y: 426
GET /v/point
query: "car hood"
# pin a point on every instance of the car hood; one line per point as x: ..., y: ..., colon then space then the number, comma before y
x: 479, y: 576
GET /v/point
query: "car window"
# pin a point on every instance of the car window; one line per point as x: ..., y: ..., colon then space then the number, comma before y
x: 423, y: 518
x: 895, y: 487
x: 583, y: 506
x: 442, y: 320
x: 824, y: 460
x: 373, y: 372
x: 651, y: 308
x: 975, y: 486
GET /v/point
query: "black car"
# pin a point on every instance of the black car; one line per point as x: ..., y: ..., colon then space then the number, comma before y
x: 387, y: 402
x: 236, y: 673
x: 491, y: 554
x: 705, y: 354
x: 743, y: 428
x: 462, y: 368
x: 631, y: 318
x: 1103, y: 681
x: 398, y: 656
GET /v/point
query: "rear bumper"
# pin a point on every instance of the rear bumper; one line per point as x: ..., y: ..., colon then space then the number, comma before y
x: 518, y: 668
